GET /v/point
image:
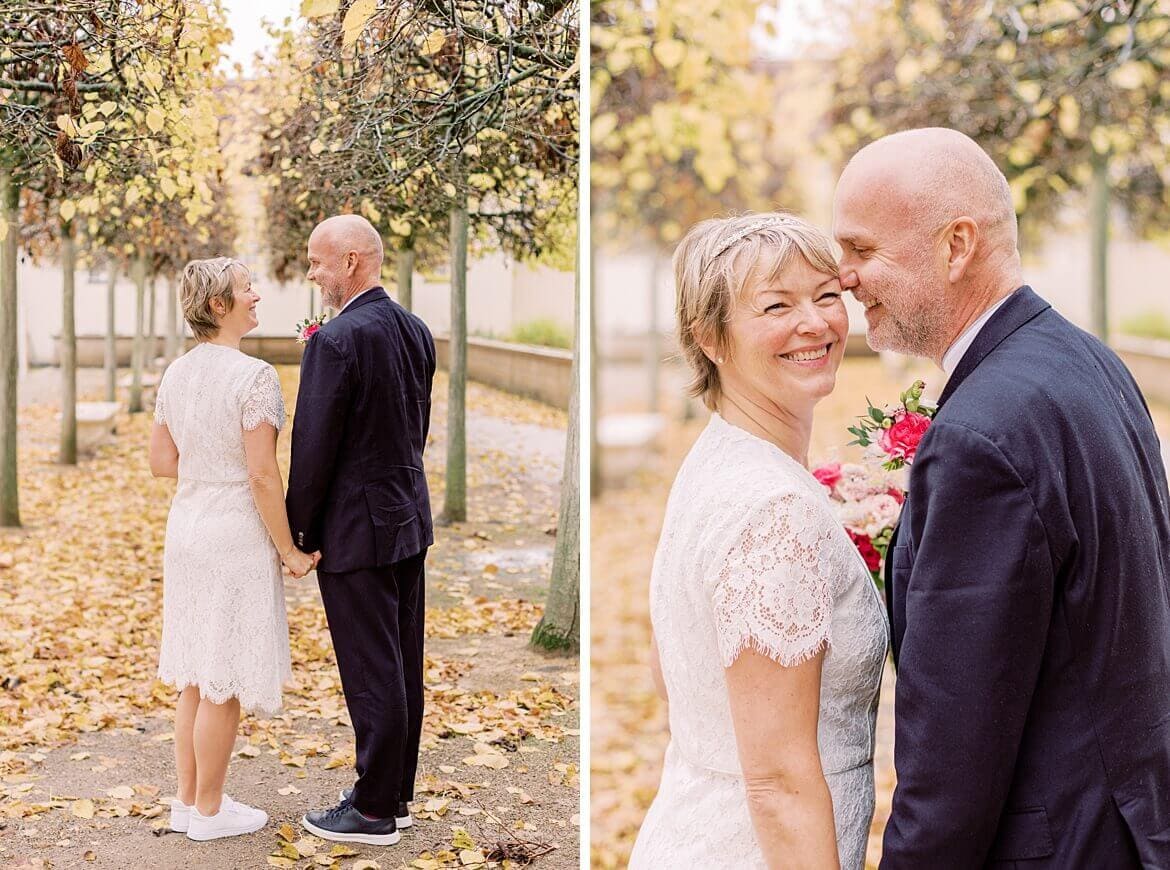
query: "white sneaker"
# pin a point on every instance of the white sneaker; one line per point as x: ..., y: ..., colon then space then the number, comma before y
x: 233, y: 818
x: 180, y: 816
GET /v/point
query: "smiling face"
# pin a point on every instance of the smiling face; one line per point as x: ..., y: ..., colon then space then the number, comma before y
x: 894, y: 266
x: 786, y: 336
x: 241, y: 318
x: 329, y: 267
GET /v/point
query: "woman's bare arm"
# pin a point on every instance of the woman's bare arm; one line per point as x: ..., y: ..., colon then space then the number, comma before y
x: 774, y: 710
x: 164, y: 455
x: 268, y: 493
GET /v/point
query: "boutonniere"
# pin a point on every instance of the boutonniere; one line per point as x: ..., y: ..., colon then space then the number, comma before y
x: 895, y: 431
x: 308, y: 327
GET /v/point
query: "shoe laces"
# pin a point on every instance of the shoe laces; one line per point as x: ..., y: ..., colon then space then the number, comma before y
x: 338, y: 810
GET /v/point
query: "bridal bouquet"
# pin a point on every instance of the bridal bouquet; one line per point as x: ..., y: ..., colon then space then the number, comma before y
x: 868, y: 500
x: 308, y: 326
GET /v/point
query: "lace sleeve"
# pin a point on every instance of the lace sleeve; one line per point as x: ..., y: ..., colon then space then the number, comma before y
x: 160, y: 414
x: 263, y: 402
x: 773, y: 589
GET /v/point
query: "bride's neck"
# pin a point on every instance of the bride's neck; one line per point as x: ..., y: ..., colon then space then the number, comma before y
x: 787, y: 428
x: 225, y: 339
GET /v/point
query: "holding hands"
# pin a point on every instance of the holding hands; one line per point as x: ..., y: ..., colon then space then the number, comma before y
x: 298, y: 563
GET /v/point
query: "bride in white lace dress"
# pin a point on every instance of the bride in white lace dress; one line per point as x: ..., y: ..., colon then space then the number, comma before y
x: 225, y: 637
x: 769, y: 634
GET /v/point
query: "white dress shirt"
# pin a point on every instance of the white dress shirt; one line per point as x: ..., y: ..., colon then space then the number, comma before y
x: 955, y: 352
x: 359, y: 296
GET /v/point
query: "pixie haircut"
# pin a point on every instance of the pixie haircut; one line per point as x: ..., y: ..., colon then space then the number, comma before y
x: 714, y: 263
x: 203, y: 281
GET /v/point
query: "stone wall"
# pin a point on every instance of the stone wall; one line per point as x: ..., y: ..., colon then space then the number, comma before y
x: 540, y: 373
x: 1149, y: 360
x: 536, y: 372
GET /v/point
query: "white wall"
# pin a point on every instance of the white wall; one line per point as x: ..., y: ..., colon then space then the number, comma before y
x: 501, y: 294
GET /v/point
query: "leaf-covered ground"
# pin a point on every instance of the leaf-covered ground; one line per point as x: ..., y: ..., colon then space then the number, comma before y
x: 628, y: 722
x: 85, y: 729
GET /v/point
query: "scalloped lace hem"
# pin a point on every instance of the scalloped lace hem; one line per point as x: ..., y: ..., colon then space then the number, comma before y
x: 783, y: 656
x: 250, y: 702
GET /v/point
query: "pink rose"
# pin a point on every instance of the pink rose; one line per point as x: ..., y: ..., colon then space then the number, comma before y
x: 900, y: 441
x: 829, y: 475
x: 310, y: 329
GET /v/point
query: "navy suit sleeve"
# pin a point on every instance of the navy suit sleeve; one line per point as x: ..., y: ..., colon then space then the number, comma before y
x: 978, y: 604
x: 322, y: 401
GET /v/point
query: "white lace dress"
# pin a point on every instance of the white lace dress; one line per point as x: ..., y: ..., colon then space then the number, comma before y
x: 751, y: 555
x: 224, y: 624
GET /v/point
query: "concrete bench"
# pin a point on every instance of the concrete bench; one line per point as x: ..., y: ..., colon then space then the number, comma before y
x: 627, y: 442
x: 96, y: 424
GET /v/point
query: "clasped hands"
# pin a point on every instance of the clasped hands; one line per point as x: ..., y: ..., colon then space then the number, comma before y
x: 299, y: 564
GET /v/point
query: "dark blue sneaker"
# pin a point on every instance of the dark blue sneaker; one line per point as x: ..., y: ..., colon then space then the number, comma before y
x: 344, y: 824
x: 402, y: 817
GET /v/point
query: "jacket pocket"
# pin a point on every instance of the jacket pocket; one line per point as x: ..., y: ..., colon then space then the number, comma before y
x: 396, y: 526
x: 1023, y: 834
x: 901, y: 563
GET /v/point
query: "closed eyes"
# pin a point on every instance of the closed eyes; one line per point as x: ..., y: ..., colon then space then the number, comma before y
x: 779, y: 306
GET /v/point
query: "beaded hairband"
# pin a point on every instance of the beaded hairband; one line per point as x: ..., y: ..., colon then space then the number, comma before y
x: 747, y: 231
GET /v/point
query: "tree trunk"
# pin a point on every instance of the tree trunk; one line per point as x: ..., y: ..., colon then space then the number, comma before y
x: 172, y: 345
x: 9, y: 492
x: 112, y: 334
x: 139, y: 335
x: 594, y: 379
x: 406, y: 278
x: 455, y: 509
x: 1099, y: 245
x: 654, y: 350
x: 68, y: 452
x: 152, y: 329
x: 560, y: 626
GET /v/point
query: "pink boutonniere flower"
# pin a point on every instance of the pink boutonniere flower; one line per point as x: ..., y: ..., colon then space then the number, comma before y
x: 308, y: 327
x: 897, y: 431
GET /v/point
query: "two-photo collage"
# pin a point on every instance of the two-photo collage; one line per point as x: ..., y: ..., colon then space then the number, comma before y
x: 593, y: 435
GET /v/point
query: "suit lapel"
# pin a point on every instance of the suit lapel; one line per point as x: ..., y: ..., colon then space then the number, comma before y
x: 888, y: 586
x: 1021, y: 306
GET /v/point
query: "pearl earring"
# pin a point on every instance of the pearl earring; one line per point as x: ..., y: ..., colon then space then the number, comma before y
x: 719, y: 361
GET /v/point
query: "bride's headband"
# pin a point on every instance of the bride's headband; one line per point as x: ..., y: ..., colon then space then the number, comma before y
x: 754, y: 226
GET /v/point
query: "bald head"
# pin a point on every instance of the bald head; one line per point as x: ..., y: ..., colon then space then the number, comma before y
x: 927, y: 228
x: 936, y: 175
x: 350, y: 232
x: 345, y: 257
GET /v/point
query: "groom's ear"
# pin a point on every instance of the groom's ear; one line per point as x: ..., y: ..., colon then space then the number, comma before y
x: 962, y: 238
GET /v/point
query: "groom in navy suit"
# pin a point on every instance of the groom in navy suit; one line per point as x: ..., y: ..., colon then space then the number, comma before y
x: 1029, y: 579
x: 357, y: 493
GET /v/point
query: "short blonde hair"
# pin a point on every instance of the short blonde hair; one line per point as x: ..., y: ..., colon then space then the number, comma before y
x: 712, y: 265
x: 203, y: 281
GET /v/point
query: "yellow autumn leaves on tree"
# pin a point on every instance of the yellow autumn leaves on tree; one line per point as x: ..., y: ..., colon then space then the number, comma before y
x: 681, y: 116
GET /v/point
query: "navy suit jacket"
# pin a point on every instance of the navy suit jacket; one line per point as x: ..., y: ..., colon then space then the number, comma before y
x: 1029, y: 595
x: 356, y: 487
